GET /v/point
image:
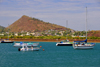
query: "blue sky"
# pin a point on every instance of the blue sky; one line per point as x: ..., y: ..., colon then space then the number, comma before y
x: 53, y: 11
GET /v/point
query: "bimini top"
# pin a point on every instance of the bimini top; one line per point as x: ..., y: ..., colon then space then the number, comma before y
x: 82, y: 41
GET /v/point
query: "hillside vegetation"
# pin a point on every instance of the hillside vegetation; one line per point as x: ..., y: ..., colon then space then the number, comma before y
x: 1, y: 28
x: 94, y: 33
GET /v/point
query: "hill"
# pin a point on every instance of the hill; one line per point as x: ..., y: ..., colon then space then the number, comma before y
x: 26, y: 23
x: 94, y: 33
x: 1, y: 28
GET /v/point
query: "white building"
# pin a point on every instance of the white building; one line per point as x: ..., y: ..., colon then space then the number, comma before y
x: 27, y: 33
x: 2, y: 34
x: 16, y: 34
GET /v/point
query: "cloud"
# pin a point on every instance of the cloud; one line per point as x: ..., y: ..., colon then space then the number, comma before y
x: 53, y: 11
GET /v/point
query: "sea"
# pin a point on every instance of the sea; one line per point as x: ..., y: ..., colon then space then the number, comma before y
x: 52, y: 56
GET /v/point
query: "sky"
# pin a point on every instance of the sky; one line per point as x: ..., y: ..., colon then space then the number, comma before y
x: 67, y: 13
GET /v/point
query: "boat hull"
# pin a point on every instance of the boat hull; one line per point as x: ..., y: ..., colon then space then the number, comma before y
x: 63, y: 44
x: 28, y: 49
x: 7, y: 42
x: 88, y: 47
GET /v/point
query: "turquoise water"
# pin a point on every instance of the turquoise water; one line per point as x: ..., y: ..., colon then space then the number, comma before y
x: 53, y: 56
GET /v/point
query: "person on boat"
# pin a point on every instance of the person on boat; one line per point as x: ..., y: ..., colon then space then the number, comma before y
x: 31, y: 46
x: 67, y: 40
x: 25, y: 47
x: 83, y: 44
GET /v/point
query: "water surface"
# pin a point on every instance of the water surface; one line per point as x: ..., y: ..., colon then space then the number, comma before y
x: 53, y: 56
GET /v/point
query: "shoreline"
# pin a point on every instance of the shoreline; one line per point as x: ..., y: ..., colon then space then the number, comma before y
x: 56, y: 40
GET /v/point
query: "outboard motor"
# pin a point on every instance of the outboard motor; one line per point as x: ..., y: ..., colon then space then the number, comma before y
x: 18, y: 49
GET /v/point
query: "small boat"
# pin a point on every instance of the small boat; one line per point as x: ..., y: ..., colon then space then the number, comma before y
x: 26, y: 44
x: 64, y: 43
x: 26, y: 48
x: 6, y: 41
x: 83, y: 45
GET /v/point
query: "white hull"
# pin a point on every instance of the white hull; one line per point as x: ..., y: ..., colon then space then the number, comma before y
x: 28, y: 49
x: 83, y: 47
x: 64, y: 44
x: 28, y: 45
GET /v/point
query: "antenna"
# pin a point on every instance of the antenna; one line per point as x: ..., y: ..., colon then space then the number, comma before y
x: 8, y: 32
x: 66, y: 26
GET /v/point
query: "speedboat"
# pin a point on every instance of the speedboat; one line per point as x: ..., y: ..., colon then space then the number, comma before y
x: 64, y: 43
x: 83, y: 45
x: 25, y: 48
x: 26, y: 44
x: 6, y: 41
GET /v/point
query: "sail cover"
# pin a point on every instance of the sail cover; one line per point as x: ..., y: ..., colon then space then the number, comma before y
x: 82, y: 41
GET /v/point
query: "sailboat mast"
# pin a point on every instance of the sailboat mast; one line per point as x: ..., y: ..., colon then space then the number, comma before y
x: 86, y: 22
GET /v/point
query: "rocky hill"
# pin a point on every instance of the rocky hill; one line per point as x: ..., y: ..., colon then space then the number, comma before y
x: 94, y: 33
x: 26, y: 23
x: 1, y: 28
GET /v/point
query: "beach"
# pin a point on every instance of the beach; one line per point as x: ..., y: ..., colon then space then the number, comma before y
x: 55, y: 40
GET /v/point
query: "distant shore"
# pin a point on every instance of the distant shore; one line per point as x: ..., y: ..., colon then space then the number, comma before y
x: 55, y: 40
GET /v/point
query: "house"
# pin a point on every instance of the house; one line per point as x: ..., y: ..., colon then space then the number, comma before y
x: 27, y: 33
x: 16, y: 34
x: 2, y: 34
x: 32, y: 33
x: 61, y: 32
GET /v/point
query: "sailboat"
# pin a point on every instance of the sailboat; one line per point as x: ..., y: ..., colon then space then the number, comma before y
x: 83, y: 44
x: 64, y: 42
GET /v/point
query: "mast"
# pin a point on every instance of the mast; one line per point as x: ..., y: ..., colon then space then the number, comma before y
x: 86, y: 22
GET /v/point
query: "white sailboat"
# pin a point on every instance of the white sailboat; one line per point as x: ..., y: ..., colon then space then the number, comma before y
x: 83, y: 44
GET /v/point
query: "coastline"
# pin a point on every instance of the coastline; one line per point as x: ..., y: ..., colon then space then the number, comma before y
x: 55, y: 40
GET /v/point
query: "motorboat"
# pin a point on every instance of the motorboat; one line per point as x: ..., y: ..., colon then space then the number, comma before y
x: 6, y: 41
x: 26, y: 48
x: 83, y: 45
x: 64, y: 43
x: 26, y: 44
